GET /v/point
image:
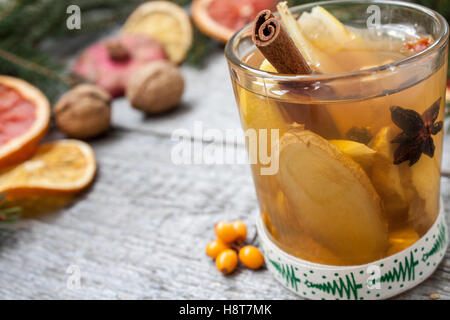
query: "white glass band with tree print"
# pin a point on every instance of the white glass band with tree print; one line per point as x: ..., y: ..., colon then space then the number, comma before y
x: 380, y: 279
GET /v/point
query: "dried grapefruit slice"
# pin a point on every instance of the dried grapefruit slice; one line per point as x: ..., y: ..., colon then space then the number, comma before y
x: 163, y: 21
x: 64, y: 166
x: 423, y: 177
x: 219, y: 19
x: 24, y: 119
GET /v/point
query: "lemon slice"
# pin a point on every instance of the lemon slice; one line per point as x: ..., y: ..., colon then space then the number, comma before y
x: 331, y: 37
x: 316, y: 58
x: 64, y: 166
x: 358, y: 152
x: 267, y: 66
x: 166, y: 22
x: 324, y: 31
x: 257, y: 112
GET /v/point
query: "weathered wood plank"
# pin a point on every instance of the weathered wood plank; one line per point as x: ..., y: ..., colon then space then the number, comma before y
x: 140, y: 233
x: 208, y: 98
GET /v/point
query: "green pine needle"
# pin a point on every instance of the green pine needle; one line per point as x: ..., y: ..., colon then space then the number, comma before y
x: 201, y: 48
x: 8, y: 213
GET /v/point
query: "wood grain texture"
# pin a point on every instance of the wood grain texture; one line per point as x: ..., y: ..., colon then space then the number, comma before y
x: 141, y: 230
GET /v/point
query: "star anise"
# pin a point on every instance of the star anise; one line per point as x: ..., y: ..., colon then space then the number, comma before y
x: 416, y: 137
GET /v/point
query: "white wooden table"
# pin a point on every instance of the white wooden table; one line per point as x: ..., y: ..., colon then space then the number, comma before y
x: 141, y: 230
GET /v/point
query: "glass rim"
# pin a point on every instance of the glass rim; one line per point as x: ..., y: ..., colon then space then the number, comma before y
x: 443, y: 35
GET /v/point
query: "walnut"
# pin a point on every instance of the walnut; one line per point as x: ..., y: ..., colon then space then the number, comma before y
x: 83, y: 112
x: 156, y: 87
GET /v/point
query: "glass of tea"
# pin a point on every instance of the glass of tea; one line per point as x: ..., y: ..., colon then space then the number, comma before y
x: 355, y: 145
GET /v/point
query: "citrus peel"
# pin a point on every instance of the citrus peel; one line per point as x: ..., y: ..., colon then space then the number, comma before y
x: 165, y: 22
x: 18, y: 147
x: 60, y: 167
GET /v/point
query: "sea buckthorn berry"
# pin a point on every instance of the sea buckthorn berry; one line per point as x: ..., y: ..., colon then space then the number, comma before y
x: 215, y: 247
x: 227, y: 261
x: 225, y: 232
x: 251, y: 257
x: 241, y: 229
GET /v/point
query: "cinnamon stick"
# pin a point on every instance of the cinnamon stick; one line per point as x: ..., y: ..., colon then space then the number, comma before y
x: 277, y: 46
x: 279, y: 49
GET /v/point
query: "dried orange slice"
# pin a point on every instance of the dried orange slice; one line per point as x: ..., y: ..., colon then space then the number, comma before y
x: 165, y: 22
x: 24, y: 119
x: 219, y: 19
x: 64, y: 166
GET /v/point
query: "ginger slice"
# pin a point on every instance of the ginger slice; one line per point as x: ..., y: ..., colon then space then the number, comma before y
x: 257, y: 112
x: 332, y: 196
x: 424, y: 178
x: 386, y: 176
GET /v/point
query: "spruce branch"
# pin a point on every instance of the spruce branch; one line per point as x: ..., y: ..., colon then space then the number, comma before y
x: 27, y: 25
x: 8, y: 213
x: 34, y: 67
x: 201, y: 48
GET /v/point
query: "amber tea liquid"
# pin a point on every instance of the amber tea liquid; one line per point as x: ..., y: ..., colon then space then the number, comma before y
x: 360, y: 128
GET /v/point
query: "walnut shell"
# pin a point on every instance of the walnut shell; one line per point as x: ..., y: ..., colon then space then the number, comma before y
x: 83, y: 112
x: 156, y: 87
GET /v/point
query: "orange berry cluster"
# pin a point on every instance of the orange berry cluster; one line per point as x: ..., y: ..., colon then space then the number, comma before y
x: 229, y: 237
